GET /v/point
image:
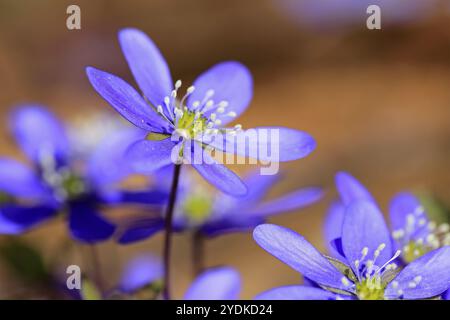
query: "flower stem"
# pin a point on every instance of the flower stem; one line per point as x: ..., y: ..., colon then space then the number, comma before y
x: 168, y: 230
x: 198, y: 253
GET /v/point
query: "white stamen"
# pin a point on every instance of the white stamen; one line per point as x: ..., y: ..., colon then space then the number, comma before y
x: 218, y: 122
x: 190, y: 90
x: 213, y: 116
x: 177, y: 84
x: 223, y: 104
x: 232, y: 114
x: 345, y: 281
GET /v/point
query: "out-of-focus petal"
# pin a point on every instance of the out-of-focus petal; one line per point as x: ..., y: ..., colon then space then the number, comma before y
x: 219, y: 176
x: 16, y: 219
x: 403, y: 205
x: 19, y: 180
x: 290, y: 202
x: 140, y: 229
x: 222, y: 283
x: 140, y: 272
x: 147, y: 156
x: 107, y: 164
x: 87, y: 225
x: 40, y: 134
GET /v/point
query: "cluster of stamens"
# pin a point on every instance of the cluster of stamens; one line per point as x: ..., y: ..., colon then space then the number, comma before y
x: 188, y: 122
x: 369, y: 284
x: 62, y: 181
x: 410, y: 238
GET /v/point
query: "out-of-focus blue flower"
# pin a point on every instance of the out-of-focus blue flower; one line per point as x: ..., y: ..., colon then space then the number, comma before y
x: 413, y: 232
x: 221, y: 283
x: 325, y: 14
x: 140, y: 272
x: 368, y: 269
x: 197, y: 118
x: 212, y: 214
x: 56, y: 182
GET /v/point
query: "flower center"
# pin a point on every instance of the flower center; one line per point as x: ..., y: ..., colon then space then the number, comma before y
x: 64, y: 182
x: 371, y: 279
x: 370, y: 289
x: 197, y: 208
x: 419, y: 236
x: 201, y: 117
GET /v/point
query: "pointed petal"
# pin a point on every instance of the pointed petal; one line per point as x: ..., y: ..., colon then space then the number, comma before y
x: 87, y: 225
x: 292, y: 249
x: 127, y: 101
x: 231, y: 82
x: 16, y: 220
x: 147, y: 156
x: 433, y: 272
x: 268, y: 144
x: 290, y: 202
x: 140, y: 230
x: 351, y: 189
x: 222, y: 283
x: 19, y: 180
x: 147, y: 64
x: 219, y: 176
x: 296, y: 293
x: 39, y: 133
x: 333, y: 226
x: 364, y: 227
x: 140, y: 272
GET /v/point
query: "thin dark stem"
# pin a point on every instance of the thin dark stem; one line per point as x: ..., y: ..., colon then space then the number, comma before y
x: 198, y: 253
x: 168, y: 230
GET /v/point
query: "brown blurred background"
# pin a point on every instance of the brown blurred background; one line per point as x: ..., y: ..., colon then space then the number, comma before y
x: 377, y: 102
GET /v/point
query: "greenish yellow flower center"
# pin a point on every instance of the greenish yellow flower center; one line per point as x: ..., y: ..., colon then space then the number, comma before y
x: 197, y: 208
x: 190, y: 124
x: 370, y: 289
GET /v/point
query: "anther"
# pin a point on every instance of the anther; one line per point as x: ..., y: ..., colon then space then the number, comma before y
x: 177, y: 84
x: 345, y: 281
x: 232, y: 114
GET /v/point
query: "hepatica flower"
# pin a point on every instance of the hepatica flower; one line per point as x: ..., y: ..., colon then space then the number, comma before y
x: 215, y: 213
x: 411, y: 228
x: 188, y: 127
x: 55, y: 183
x: 145, y: 273
x: 369, y: 269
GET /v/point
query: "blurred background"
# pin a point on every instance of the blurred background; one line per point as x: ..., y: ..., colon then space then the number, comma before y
x: 377, y: 101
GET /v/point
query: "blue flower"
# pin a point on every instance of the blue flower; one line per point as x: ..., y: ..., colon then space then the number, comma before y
x: 197, y: 118
x: 141, y: 272
x: 55, y: 182
x: 145, y: 272
x: 412, y: 230
x: 368, y: 268
x: 213, y: 214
